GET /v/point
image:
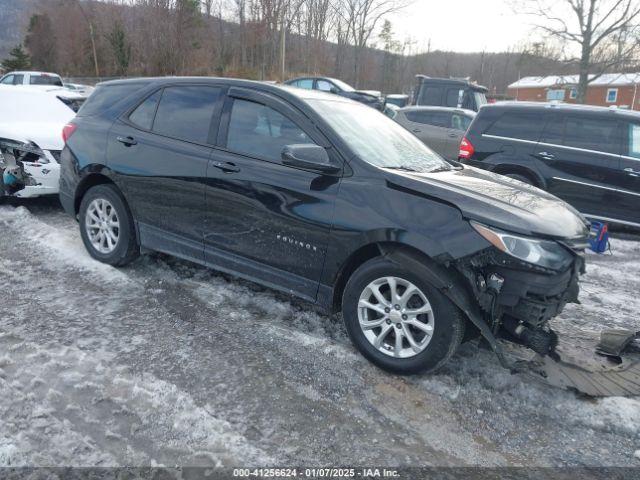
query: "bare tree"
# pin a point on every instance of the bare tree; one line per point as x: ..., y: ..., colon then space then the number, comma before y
x: 361, y: 18
x: 603, y: 31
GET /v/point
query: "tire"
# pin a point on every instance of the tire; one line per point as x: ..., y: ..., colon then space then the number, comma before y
x: 125, y: 248
x: 520, y: 178
x: 446, y: 320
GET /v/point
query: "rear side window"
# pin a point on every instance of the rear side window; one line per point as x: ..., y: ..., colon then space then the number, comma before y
x: 104, y: 96
x: 143, y: 115
x: 304, y: 83
x: 454, y: 97
x: 186, y: 112
x: 261, y: 132
x: 460, y: 122
x: 430, y: 95
x: 592, y: 133
x: 633, y: 149
x: 437, y: 119
x: 522, y: 126
x: 45, y: 80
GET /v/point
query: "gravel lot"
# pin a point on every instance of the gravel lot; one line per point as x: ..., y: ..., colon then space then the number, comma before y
x: 167, y: 363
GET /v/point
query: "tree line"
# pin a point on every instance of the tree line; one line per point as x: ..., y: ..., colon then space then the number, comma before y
x: 350, y: 39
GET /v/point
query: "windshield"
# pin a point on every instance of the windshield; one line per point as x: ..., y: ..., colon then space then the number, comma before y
x: 345, y: 87
x: 376, y: 139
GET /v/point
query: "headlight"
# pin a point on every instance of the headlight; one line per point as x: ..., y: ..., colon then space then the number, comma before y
x: 546, y: 253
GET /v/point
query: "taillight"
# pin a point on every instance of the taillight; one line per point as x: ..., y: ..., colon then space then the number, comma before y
x: 466, y: 149
x: 67, y: 131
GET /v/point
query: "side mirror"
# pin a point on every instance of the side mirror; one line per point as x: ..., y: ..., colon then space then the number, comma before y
x: 310, y: 157
x: 334, y: 90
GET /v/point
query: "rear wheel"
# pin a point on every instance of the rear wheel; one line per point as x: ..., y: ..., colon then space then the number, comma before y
x: 106, y: 226
x: 397, y: 320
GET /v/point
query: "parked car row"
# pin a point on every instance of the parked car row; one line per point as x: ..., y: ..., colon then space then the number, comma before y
x: 306, y: 191
x: 326, y: 199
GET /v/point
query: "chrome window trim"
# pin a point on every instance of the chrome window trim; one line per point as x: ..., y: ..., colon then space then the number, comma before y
x: 627, y: 192
x: 544, y: 144
x: 615, y: 220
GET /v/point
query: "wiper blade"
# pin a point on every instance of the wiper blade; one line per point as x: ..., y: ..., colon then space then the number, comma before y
x: 402, y: 167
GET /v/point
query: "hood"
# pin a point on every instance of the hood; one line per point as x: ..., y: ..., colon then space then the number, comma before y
x: 498, y: 201
x: 371, y: 93
x: 47, y: 135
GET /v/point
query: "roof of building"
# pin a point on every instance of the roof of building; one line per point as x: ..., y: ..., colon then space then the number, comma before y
x: 613, y: 79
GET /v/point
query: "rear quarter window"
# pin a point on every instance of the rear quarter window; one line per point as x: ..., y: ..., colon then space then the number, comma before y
x: 104, y: 96
x: 517, y: 125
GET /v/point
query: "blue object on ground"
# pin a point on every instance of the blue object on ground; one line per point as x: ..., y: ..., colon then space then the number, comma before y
x: 599, y: 238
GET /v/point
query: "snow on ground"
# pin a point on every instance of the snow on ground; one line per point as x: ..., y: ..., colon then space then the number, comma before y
x: 168, y: 363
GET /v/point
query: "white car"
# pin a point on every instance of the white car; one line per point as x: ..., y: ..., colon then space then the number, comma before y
x: 31, y: 124
x: 32, y: 78
x: 51, y: 83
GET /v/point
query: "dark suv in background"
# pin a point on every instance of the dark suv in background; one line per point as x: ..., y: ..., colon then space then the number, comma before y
x: 588, y: 156
x: 449, y: 92
x: 325, y: 199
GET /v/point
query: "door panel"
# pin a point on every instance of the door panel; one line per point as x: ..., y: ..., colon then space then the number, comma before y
x: 580, y: 154
x: 163, y: 182
x: 163, y: 176
x: 266, y: 220
x: 626, y: 177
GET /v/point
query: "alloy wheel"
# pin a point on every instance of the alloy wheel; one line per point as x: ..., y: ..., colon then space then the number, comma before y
x: 396, y: 317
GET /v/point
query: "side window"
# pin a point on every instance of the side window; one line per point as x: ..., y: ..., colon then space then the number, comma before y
x: 454, y: 97
x: 431, y: 95
x: 460, y: 122
x: 522, y: 126
x: 8, y: 80
x: 306, y: 83
x: 18, y: 80
x: 186, y: 112
x: 592, y: 133
x: 260, y: 131
x: 633, y: 149
x: 418, y: 116
x: 441, y: 119
x: 143, y: 115
x: 324, y: 85
x: 554, y: 130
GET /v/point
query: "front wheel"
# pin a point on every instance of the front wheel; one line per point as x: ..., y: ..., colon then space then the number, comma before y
x: 397, y: 320
x: 106, y: 226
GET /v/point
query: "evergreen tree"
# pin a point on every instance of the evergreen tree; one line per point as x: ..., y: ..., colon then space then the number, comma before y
x: 19, y: 60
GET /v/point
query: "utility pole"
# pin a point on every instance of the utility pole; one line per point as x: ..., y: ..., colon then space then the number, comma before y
x: 283, y: 45
x: 92, y: 36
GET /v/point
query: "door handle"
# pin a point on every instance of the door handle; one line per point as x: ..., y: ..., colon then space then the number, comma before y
x: 416, y: 130
x: 127, y: 141
x: 632, y: 172
x: 453, y: 135
x: 546, y: 155
x: 226, y: 167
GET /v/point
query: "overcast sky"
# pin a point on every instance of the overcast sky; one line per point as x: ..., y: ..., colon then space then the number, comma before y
x: 463, y: 25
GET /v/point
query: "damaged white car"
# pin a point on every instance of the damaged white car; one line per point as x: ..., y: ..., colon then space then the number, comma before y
x: 31, y: 124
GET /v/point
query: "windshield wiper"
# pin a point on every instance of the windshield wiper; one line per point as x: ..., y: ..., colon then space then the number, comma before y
x: 402, y: 167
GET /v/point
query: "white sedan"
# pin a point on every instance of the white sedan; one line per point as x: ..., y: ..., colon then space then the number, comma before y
x: 31, y: 124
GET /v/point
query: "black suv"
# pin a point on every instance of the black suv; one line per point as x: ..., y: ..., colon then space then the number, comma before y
x: 588, y: 156
x: 325, y: 199
x: 449, y: 92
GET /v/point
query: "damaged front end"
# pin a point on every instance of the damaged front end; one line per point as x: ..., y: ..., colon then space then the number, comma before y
x: 520, y: 284
x: 26, y: 170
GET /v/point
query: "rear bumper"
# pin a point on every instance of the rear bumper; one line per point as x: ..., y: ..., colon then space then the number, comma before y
x: 68, y: 203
